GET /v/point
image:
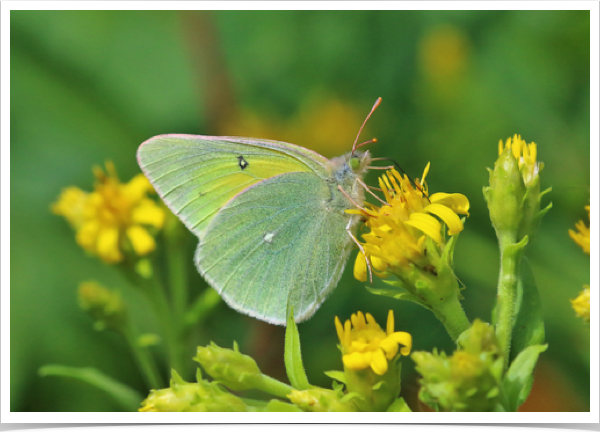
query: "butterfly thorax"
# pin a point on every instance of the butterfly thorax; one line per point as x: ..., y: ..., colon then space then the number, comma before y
x: 346, y: 170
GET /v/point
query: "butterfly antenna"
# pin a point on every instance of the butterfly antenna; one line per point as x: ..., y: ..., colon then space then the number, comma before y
x: 354, y: 146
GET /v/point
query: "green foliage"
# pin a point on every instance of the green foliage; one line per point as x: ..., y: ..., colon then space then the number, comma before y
x: 127, y: 398
x: 517, y: 381
x: 92, y: 85
x: 293, y: 355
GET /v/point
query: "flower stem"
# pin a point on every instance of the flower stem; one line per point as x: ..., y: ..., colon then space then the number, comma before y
x: 177, y: 268
x: 160, y: 303
x: 451, y: 314
x: 143, y: 358
x: 274, y: 387
x: 511, y: 254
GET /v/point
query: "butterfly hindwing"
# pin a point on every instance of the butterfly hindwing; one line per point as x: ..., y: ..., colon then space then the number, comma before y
x: 276, y: 243
x: 197, y: 175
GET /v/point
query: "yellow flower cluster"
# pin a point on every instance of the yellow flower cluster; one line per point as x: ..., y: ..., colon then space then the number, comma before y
x: 526, y: 155
x: 581, y: 304
x: 365, y: 344
x: 399, y: 228
x: 112, y: 218
x: 582, y: 237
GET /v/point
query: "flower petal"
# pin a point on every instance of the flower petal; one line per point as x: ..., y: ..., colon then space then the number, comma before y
x: 142, y: 242
x: 427, y: 224
x: 448, y: 216
x: 148, y: 213
x: 340, y: 330
x: 390, y: 347
x: 107, y: 245
x: 360, y: 267
x: 356, y: 360
x: 405, y: 339
x: 457, y: 202
x: 379, y: 363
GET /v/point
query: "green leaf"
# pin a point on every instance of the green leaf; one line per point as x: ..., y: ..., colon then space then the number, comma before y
x: 528, y: 327
x: 124, y: 395
x: 518, y: 378
x: 337, y: 375
x: 293, y: 356
x: 398, y: 293
x: 399, y: 405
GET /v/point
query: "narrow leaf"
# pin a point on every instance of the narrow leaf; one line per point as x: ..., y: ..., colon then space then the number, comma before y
x: 518, y: 376
x: 337, y: 375
x: 125, y: 396
x: 528, y: 327
x: 399, y: 294
x: 293, y: 356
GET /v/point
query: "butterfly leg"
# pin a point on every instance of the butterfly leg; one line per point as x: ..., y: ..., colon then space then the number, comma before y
x: 348, y: 229
x: 368, y: 189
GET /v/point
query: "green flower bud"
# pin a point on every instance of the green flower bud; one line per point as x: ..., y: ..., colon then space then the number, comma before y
x: 321, y: 400
x: 514, y: 196
x: 469, y: 380
x: 231, y: 368
x: 192, y: 397
x: 106, y: 307
x: 505, y: 195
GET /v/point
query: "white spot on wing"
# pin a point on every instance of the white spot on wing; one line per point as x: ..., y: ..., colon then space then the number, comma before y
x: 268, y: 237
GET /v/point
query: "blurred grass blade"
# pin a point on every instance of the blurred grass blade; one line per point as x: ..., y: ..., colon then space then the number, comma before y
x: 293, y: 356
x: 125, y: 396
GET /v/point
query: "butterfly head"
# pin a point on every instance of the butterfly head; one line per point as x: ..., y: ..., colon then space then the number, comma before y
x: 348, y: 167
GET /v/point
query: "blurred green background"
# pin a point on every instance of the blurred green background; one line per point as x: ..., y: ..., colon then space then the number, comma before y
x: 87, y: 86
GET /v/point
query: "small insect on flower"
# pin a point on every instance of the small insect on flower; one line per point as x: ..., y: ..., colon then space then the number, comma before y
x: 114, y: 218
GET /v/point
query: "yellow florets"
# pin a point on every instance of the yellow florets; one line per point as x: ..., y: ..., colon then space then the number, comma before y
x: 526, y: 155
x: 367, y: 345
x: 581, y: 304
x: 582, y: 237
x: 113, y: 217
x: 399, y: 228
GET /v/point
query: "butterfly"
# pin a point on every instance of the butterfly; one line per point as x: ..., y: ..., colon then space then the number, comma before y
x: 270, y: 216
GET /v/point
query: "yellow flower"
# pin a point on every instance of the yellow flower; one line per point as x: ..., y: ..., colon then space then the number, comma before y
x: 399, y: 228
x: 526, y: 155
x: 581, y: 304
x: 112, y: 218
x: 367, y: 345
x: 582, y: 238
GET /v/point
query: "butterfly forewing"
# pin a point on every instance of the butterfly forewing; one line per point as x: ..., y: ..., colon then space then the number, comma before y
x: 275, y: 244
x: 197, y: 175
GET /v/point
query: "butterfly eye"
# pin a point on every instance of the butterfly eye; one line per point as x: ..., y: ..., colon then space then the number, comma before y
x: 354, y: 163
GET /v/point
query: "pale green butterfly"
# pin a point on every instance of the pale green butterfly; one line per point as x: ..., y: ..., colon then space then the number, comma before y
x: 271, y: 216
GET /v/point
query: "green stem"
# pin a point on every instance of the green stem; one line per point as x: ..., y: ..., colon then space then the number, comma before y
x: 511, y: 254
x: 451, y: 314
x: 160, y: 303
x: 177, y: 268
x: 144, y: 359
x: 155, y: 293
x: 273, y: 387
x: 204, y: 303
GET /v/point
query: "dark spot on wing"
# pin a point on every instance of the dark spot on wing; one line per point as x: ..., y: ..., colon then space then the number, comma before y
x: 242, y: 162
